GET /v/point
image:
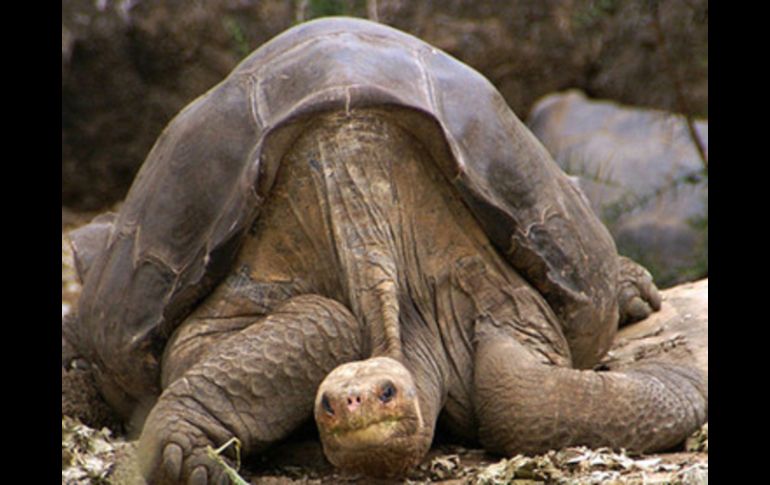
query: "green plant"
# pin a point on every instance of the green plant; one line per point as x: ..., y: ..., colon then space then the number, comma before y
x: 593, y: 11
x: 232, y: 473
x: 323, y: 8
x: 613, y: 211
x: 233, y: 28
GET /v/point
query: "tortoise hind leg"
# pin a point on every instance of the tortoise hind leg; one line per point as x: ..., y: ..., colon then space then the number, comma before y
x: 527, y: 405
x: 257, y: 385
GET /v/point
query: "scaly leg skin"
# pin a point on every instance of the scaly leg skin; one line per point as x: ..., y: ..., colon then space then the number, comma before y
x: 527, y: 406
x: 638, y: 297
x: 258, y: 386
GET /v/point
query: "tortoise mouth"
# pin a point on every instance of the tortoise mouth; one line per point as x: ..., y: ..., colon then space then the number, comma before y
x: 385, y: 448
x: 375, y: 432
x: 386, y: 425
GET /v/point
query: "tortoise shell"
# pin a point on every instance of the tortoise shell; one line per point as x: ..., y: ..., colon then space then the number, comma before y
x: 202, y: 185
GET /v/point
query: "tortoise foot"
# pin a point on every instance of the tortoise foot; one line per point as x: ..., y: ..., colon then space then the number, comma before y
x: 193, y: 467
x: 638, y: 297
x: 173, y: 447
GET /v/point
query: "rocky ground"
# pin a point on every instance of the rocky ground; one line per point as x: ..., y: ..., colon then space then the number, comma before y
x: 96, y: 456
x: 101, y: 454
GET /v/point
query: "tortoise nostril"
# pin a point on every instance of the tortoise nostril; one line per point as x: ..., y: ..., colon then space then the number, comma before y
x: 354, y: 402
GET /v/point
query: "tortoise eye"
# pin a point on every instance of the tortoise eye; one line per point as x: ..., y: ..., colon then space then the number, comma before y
x: 327, y: 405
x: 388, y: 392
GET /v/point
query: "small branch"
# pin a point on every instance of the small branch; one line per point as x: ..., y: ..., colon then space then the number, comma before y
x: 371, y: 10
x: 301, y: 11
x: 231, y: 472
x: 678, y: 89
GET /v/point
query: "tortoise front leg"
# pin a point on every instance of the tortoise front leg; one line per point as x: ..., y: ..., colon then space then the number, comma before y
x: 258, y: 385
x: 527, y: 406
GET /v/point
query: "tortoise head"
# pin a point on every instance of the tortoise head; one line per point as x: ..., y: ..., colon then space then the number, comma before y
x: 369, y: 419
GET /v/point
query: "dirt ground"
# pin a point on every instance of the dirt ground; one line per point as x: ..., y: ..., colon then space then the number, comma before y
x: 92, y: 456
x: 101, y: 454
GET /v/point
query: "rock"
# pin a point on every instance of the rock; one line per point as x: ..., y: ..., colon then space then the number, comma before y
x: 128, y: 66
x: 678, y: 332
x: 699, y: 441
x: 80, y: 398
x: 642, y: 174
x: 96, y: 456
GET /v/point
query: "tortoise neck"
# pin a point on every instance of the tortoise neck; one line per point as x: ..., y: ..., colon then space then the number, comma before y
x: 352, y: 157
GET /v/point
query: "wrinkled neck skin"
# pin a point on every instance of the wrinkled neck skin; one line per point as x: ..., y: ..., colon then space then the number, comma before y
x: 430, y: 381
x: 363, y: 168
x: 424, y: 357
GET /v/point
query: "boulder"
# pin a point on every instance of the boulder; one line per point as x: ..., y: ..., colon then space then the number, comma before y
x: 642, y: 173
x: 677, y: 333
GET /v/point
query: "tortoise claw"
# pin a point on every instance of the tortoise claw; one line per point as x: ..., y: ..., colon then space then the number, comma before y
x: 192, y: 467
x: 199, y: 476
x: 637, y: 309
x: 172, y: 461
x: 638, y: 296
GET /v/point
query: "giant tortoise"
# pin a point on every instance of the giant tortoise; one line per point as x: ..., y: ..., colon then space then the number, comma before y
x: 354, y: 226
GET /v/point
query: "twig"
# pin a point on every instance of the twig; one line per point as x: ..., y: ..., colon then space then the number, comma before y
x: 678, y: 89
x: 371, y: 10
x: 301, y: 11
x: 231, y: 472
